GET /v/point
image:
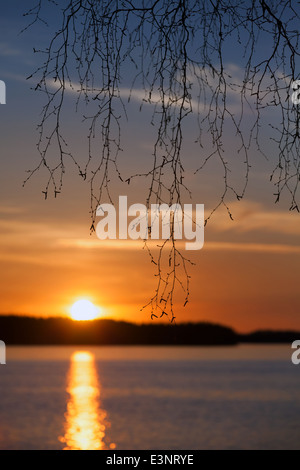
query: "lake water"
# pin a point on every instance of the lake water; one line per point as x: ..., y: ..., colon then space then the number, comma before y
x: 243, y: 397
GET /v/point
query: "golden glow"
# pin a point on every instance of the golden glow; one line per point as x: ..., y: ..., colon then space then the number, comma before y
x: 85, y: 421
x: 82, y: 356
x: 84, y: 310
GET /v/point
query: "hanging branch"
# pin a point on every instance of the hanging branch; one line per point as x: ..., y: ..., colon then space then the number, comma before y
x: 178, y: 52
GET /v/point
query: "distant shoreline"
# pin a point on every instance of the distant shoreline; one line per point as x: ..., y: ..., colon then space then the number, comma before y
x: 22, y: 331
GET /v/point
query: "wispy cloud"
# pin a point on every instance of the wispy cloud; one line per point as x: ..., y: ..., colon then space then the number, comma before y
x: 234, y: 76
x: 208, y: 246
x: 251, y: 216
x: 253, y: 247
x: 11, y: 210
x: 6, y: 50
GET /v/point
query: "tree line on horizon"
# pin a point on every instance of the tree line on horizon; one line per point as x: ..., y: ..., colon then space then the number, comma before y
x: 21, y: 330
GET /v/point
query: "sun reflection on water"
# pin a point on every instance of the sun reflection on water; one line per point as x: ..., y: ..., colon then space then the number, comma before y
x: 85, y: 421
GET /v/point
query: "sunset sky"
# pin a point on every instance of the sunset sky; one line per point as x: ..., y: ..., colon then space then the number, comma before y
x: 246, y: 276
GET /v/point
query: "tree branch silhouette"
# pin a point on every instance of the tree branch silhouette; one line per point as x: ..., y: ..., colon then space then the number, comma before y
x: 177, y: 50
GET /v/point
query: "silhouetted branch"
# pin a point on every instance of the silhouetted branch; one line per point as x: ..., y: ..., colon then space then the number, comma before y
x: 178, y: 51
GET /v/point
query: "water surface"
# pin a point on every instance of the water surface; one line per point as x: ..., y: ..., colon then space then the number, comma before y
x: 243, y: 397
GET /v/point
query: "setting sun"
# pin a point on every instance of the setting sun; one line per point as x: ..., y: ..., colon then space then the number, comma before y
x: 84, y: 310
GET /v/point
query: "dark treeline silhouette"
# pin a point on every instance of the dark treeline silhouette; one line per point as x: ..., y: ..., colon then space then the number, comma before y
x: 270, y: 336
x: 20, y: 330
x: 28, y: 330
